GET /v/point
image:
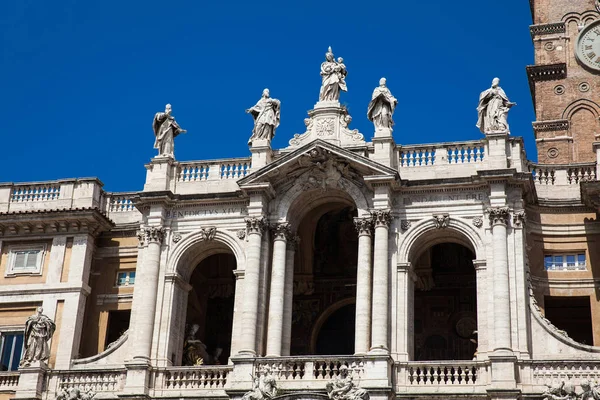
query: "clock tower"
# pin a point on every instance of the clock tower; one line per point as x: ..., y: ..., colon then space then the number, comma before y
x: 565, y: 80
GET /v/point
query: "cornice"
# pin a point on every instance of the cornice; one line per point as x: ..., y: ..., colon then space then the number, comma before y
x: 551, y: 126
x: 548, y: 72
x: 547, y: 29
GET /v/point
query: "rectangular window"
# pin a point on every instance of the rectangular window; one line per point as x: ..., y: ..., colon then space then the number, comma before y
x: 11, y: 348
x: 565, y: 262
x: 26, y: 260
x: 126, y: 278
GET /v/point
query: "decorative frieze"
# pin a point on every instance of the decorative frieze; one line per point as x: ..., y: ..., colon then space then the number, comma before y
x: 549, y: 72
x: 255, y: 224
x: 551, y: 126
x: 151, y: 234
x: 381, y: 218
x: 499, y: 215
x: 364, y: 226
x: 282, y: 231
x: 441, y: 220
x: 547, y: 29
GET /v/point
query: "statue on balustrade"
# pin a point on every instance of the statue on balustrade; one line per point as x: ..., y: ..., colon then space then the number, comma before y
x: 194, y: 351
x: 493, y: 109
x: 562, y: 391
x: 266, y: 114
x: 343, y: 387
x: 74, y: 394
x: 382, y: 106
x: 39, y: 329
x: 333, y: 74
x: 165, y: 129
x: 264, y: 386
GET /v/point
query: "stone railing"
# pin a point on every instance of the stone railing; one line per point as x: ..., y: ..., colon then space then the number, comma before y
x: 197, y: 171
x: 311, y: 368
x: 51, y: 195
x: 428, y: 376
x: 119, y: 207
x: 441, y: 154
x: 96, y: 380
x: 544, y: 373
x: 9, y: 381
x: 548, y: 177
x: 175, y: 380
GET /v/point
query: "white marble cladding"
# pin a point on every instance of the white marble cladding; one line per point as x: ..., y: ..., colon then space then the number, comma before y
x: 51, y: 195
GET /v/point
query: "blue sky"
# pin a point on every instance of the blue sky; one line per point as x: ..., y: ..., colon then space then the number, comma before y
x: 81, y: 81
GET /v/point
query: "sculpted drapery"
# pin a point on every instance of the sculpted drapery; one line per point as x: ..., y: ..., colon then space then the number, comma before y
x: 266, y: 114
x: 493, y: 109
x: 333, y: 74
x: 382, y: 106
x: 39, y: 329
x: 165, y: 129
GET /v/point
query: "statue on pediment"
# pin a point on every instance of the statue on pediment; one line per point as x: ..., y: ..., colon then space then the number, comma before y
x: 333, y: 74
x: 343, y: 387
x: 39, y: 329
x: 493, y: 109
x: 165, y: 130
x: 382, y: 106
x: 266, y: 114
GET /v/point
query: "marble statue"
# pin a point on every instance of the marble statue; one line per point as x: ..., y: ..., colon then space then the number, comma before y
x: 562, y: 391
x: 266, y: 114
x: 38, y: 331
x: 591, y: 391
x: 493, y: 109
x: 333, y: 74
x: 264, y: 386
x: 343, y: 388
x: 165, y: 129
x: 74, y: 393
x: 194, y: 351
x: 382, y: 106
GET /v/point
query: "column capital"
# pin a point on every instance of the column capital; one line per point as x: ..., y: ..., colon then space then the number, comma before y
x: 499, y: 215
x: 364, y: 226
x: 519, y: 218
x: 282, y: 231
x: 151, y: 234
x: 255, y: 224
x: 381, y: 218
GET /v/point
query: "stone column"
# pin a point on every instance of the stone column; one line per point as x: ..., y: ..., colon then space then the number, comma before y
x: 247, y: 342
x: 288, y: 301
x: 499, y: 221
x: 482, y: 308
x: 281, y: 233
x: 151, y: 238
x: 364, y: 281
x: 405, y: 321
x: 380, y: 316
x: 236, y: 329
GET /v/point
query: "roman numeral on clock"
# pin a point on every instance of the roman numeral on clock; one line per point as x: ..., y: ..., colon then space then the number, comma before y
x: 588, y: 47
x: 591, y: 55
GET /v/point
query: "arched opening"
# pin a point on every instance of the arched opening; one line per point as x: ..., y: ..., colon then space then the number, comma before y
x: 336, y: 334
x: 209, y: 318
x: 325, y: 274
x: 445, y: 304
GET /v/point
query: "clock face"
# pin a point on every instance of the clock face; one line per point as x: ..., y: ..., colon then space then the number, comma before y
x: 588, y: 46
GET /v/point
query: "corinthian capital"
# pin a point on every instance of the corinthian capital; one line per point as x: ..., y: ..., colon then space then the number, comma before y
x: 381, y: 218
x: 364, y: 226
x: 151, y: 234
x: 282, y: 231
x: 255, y: 224
x: 519, y: 218
x: 499, y: 215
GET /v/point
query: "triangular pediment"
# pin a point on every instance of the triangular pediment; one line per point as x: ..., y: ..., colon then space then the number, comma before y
x: 320, y: 163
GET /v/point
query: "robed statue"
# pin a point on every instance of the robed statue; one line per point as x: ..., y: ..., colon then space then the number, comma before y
x: 165, y: 129
x: 493, y: 109
x: 264, y: 386
x: 343, y: 387
x: 382, y: 106
x: 38, y: 331
x: 266, y: 114
x: 333, y: 74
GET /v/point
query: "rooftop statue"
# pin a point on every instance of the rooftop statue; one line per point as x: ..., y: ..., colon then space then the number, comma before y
x: 493, y: 109
x: 266, y: 114
x: 39, y: 329
x: 333, y: 74
x: 382, y: 106
x: 165, y: 129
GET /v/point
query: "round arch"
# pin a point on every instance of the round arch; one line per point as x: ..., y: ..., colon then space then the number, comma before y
x: 328, y: 312
x: 425, y: 234
x: 581, y: 104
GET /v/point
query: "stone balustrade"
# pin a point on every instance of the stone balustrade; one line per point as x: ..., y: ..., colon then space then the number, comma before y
x: 120, y: 209
x: 311, y: 368
x: 210, y: 176
x: 51, y: 195
x: 9, y: 381
x: 548, y: 176
x: 108, y: 380
x: 542, y: 373
x: 177, y: 381
x: 442, y: 376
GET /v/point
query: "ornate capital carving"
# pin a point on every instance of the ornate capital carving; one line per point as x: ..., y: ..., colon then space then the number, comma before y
x: 282, y: 231
x: 255, y: 224
x: 364, y: 226
x: 498, y: 215
x: 441, y: 220
x: 381, y: 218
x: 151, y: 234
x: 519, y: 218
x: 208, y: 233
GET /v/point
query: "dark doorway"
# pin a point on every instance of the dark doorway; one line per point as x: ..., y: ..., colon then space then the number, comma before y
x: 336, y: 336
x: 445, y: 304
x: 118, y: 323
x: 571, y: 314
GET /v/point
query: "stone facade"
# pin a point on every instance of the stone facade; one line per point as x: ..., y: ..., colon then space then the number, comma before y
x: 336, y: 267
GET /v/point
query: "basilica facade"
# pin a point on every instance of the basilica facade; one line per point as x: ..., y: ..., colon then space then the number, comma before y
x: 344, y: 266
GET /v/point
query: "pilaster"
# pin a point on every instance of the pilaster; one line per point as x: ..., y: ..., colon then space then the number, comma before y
x: 160, y: 174
x: 262, y: 154
x: 497, y: 155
